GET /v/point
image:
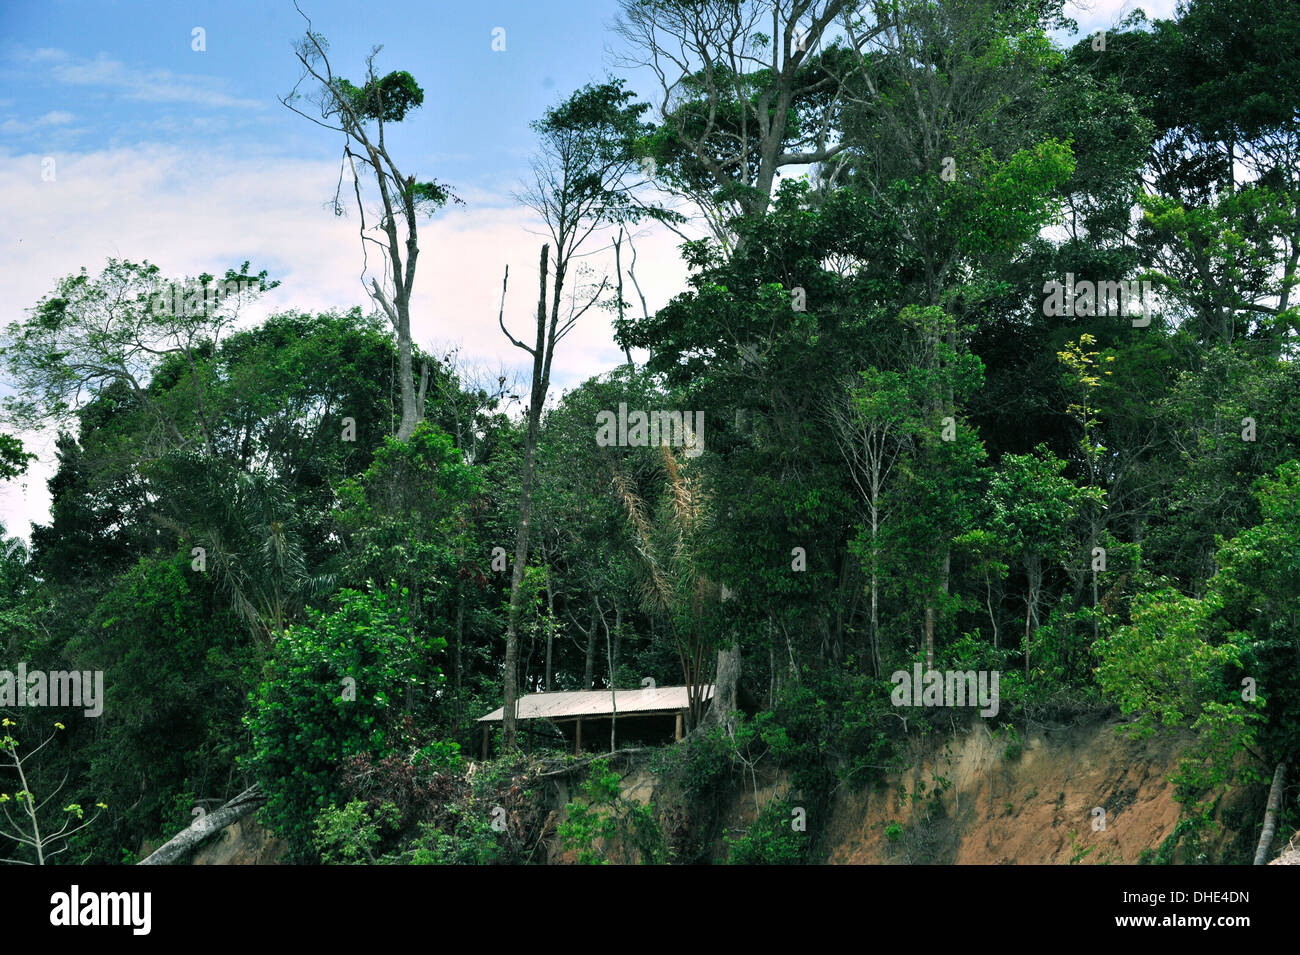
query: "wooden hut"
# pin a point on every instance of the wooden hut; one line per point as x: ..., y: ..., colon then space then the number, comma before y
x: 651, y: 715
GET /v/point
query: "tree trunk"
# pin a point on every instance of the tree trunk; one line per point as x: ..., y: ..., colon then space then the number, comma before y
x: 1034, y: 575
x: 460, y: 641
x: 550, y: 631
x: 618, y: 638
x: 613, y: 694
x: 509, y: 716
x: 929, y: 634
x: 988, y: 602
x: 410, y: 411
x: 589, y: 673
x: 724, y: 689
x: 1270, y: 815
x: 1029, y: 603
x: 875, y: 586
x: 771, y: 669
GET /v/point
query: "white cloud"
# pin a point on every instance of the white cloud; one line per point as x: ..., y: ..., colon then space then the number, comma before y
x: 150, y: 86
x: 53, y: 118
x: 203, y: 212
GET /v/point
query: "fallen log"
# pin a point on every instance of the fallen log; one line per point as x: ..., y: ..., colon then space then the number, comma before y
x: 181, y: 845
x: 1270, y: 815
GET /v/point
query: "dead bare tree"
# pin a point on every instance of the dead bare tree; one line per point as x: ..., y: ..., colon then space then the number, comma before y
x: 549, y: 333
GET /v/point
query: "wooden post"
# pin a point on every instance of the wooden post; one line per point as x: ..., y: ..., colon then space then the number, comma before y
x: 577, y: 738
x: 485, y: 740
x: 678, y: 733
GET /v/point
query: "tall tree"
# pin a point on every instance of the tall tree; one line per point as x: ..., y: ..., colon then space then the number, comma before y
x: 742, y: 93
x: 579, y: 184
x: 347, y: 109
x: 118, y: 330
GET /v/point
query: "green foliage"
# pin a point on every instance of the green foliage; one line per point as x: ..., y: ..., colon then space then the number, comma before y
x: 604, y: 827
x: 1185, y: 844
x: 176, y: 666
x: 472, y: 841
x: 388, y: 99
x: 439, y: 755
x: 771, y: 840
x: 349, y: 836
x: 336, y: 686
x: 13, y: 459
x: 903, y: 455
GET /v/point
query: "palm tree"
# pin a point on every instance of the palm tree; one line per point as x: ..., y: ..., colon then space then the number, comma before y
x: 673, y: 586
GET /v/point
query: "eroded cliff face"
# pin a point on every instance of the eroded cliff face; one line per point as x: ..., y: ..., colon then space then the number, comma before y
x: 1084, y: 795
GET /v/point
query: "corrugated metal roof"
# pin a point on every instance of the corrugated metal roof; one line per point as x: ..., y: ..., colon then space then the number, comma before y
x: 537, y: 706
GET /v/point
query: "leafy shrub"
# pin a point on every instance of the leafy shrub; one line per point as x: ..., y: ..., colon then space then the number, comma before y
x: 605, y: 816
x: 771, y: 840
x: 333, y: 690
x: 349, y: 836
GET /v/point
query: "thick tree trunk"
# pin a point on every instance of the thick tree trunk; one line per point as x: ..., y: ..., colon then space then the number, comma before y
x: 724, y: 689
x: 179, y: 847
x: 411, y: 412
x: 1270, y: 815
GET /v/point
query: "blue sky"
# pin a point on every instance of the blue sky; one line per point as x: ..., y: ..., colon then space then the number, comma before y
x: 125, y: 72
x: 187, y: 159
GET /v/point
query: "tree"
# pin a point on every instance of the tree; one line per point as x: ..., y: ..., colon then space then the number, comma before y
x: 578, y: 179
x: 736, y: 102
x: 347, y: 109
x: 13, y: 459
x: 118, y: 330
x: 242, y: 528
x: 1033, y: 504
x: 1221, y: 219
x: 585, y: 537
x: 338, y: 687
x: 179, y: 669
x: 1184, y: 661
x: 28, y: 833
x: 668, y: 543
x: 406, y: 523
